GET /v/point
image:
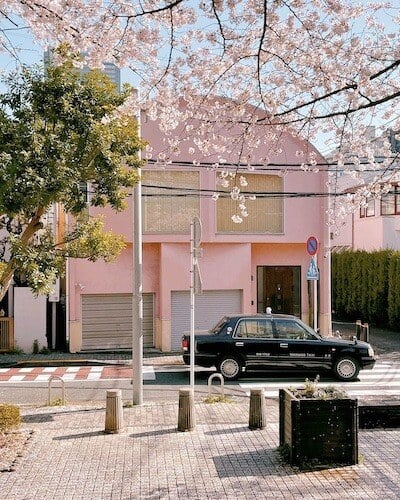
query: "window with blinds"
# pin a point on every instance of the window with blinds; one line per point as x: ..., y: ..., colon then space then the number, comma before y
x: 170, y: 200
x: 265, y: 213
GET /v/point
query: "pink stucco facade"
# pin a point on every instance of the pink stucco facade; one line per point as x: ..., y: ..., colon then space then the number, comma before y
x: 372, y: 232
x: 229, y: 261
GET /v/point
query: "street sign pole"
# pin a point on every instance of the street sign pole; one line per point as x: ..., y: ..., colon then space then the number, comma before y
x: 313, y: 274
x: 315, y: 298
x: 192, y: 305
x: 195, y: 286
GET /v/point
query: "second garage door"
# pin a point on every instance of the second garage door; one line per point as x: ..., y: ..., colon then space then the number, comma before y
x: 209, y: 308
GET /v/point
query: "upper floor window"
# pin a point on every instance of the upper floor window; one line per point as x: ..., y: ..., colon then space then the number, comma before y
x: 170, y: 200
x: 369, y: 209
x: 390, y: 202
x: 265, y: 213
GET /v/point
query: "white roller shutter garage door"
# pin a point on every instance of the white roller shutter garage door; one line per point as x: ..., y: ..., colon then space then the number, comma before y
x: 210, y: 306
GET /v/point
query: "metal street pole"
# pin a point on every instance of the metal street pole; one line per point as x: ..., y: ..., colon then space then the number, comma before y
x: 315, y: 294
x: 195, y: 286
x: 328, y: 267
x: 137, y: 299
x: 192, y: 302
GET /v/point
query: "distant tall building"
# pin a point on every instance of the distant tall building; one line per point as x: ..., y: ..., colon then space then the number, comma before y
x: 113, y: 73
x: 109, y: 69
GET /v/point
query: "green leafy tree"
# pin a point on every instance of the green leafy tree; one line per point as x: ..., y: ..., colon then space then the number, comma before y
x: 60, y: 129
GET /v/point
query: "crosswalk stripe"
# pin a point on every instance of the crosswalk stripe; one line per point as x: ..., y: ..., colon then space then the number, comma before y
x: 383, y: 379
x: 71, y: 373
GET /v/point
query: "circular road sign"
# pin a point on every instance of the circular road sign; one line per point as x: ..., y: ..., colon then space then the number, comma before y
x: 312, y: 245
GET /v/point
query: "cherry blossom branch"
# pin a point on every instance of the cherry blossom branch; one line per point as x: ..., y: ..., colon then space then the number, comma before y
x: 352, y: 86
x: 151, y: 12
x: 345, y: 112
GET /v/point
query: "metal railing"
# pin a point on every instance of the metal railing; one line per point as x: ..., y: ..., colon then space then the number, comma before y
x: 6, y: 334
x: 348, y: 330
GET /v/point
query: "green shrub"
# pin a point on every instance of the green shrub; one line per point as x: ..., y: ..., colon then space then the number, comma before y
x: 366, y: 286
x: 35, y: 347
x: 10, y: 417
x: 16, y: 349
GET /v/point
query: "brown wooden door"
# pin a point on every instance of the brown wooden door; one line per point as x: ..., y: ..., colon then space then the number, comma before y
x: 278, y: 287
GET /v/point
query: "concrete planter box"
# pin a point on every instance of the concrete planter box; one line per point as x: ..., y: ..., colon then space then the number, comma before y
x: 318, y: 431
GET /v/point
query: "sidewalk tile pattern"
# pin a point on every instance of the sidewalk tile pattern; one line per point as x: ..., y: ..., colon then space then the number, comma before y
x: 70, y: 457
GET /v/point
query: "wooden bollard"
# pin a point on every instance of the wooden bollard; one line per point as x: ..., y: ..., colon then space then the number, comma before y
x: 114, y: 413
x: 257, y: 412
x: 186, y: 416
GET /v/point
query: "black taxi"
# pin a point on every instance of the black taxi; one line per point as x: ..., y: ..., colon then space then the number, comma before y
x: 275, y: 342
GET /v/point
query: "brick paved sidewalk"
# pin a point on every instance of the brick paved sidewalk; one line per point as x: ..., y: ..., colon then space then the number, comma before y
x: 69, y: 457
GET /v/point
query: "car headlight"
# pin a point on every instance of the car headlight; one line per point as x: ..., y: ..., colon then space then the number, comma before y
x: 370, y: 352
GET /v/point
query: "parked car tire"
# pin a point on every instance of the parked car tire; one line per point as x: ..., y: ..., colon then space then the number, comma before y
x: 346, y: 368
x: 230, y: 367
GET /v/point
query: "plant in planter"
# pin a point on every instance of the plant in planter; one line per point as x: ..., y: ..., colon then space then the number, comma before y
x: 318, y: 425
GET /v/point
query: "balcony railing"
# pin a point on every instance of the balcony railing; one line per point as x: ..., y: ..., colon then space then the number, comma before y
x: 6, y: 334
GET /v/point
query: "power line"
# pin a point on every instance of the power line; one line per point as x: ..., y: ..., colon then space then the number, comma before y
x: 329, y: 167
x: 172, y: 192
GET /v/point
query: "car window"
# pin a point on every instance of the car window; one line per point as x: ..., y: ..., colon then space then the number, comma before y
x: 254, y: 328
x: 221, y: 323
x: 288, y: 329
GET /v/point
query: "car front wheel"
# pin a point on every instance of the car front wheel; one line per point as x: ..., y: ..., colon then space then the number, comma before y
x: 230, y: 367
x: 346, y: 368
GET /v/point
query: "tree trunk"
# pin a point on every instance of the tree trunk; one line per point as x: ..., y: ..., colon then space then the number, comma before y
x: 31, y: 228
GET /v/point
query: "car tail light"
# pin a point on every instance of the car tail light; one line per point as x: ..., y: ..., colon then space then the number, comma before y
x: 185, y: 344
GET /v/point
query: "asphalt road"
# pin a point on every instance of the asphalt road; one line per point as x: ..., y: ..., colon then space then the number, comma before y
x: 163, y: 384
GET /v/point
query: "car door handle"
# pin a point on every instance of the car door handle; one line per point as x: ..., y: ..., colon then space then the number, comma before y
x: 283, y: 345
x: 239, y: 343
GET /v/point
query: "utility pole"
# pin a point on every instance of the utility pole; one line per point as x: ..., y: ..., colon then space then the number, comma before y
x: 137, y: 299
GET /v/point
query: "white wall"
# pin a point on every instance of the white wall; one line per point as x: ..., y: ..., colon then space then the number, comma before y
x: 29, y: 319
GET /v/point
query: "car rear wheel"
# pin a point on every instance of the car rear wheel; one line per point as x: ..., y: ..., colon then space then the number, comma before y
x: 346, y: 368
x: 230, y: 367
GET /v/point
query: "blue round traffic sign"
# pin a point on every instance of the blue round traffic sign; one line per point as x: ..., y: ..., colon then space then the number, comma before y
x: 312, y: 245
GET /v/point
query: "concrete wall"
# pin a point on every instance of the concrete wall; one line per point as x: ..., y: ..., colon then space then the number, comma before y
x: 29, y: 319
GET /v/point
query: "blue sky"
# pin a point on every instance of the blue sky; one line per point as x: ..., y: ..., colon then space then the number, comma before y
x: 28, y: 52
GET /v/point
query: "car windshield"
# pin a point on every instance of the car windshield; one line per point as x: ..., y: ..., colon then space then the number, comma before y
x: 310, y: 330
x: 217, y: 328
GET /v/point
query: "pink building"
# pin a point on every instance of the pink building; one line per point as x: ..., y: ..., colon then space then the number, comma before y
x: 373, y: 227
x: 245, y: 267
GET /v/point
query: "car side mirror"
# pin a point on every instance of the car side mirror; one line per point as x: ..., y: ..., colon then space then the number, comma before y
x: 229, y: 330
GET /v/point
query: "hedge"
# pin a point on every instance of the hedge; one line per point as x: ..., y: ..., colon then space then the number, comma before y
x: 10, y: 417
x: 366, y: 286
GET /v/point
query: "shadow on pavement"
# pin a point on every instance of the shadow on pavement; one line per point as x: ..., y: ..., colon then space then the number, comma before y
x: 80, y: 435
x: 161, y: 432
